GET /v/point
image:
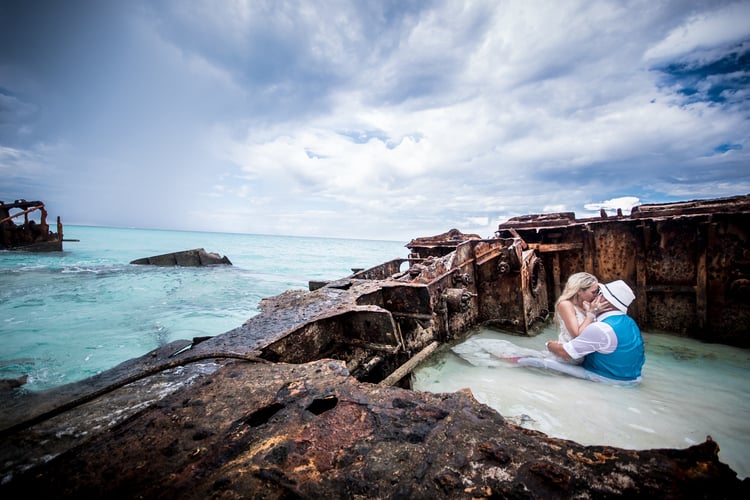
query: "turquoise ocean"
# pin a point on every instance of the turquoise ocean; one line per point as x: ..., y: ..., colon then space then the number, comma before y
x: 66, y: 316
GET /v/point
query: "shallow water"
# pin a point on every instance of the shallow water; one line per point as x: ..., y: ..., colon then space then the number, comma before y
x: 68, y: 315
x: 690, y: 390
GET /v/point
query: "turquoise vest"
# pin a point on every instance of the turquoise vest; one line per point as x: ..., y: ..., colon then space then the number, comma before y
x: 626, y: 362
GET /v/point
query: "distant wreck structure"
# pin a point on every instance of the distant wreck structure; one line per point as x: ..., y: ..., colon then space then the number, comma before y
x: 688, y: 262
x: 196, y: 257
x: 19, y: 231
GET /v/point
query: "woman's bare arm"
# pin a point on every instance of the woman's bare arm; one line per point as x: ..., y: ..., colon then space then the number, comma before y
x: 567, y: 313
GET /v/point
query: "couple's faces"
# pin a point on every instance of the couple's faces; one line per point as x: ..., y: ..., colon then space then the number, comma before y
x: 590, y: 293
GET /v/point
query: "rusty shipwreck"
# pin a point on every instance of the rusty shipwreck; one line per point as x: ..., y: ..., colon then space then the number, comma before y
x: 310, y: 398
x: 20, y: 231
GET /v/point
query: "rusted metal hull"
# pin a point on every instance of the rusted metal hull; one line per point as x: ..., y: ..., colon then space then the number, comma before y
x: 28, y: 236
x: 688, y: 262
x: 378, y: 318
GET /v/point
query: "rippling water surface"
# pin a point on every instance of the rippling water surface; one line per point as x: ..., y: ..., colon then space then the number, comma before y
x: 65, y: 316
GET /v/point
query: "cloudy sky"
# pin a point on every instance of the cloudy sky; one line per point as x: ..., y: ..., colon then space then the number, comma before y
x: 377, y: 119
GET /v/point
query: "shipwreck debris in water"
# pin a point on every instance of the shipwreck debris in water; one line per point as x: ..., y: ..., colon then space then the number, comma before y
x: 18, y: 231
x: 299, y: 400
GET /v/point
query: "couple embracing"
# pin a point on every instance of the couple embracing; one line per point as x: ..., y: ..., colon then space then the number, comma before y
x: 596, y: 331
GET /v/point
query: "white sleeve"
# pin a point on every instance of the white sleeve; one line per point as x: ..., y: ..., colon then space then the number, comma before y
x: 597, y: 337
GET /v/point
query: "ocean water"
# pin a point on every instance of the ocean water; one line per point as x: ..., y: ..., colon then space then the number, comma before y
x: 68, y: 315
x: 689, y: 390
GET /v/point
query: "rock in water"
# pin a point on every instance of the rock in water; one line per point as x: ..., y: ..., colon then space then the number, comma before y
x: 189, y: 258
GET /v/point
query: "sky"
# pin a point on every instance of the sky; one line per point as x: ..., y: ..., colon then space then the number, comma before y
x: 372, y: 119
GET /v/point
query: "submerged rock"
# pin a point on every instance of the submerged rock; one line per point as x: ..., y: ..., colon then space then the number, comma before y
x: 7, y: 384
x: 189, y: 258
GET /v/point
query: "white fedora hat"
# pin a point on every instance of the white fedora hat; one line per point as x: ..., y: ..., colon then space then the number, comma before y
x: 617, y: 293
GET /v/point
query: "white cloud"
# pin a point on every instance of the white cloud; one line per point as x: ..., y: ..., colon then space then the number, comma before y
x: 624, y: 203
x: 387, y: 119
x: 705, y: 30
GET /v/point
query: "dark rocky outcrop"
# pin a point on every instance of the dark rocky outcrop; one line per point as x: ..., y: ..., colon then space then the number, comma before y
x: 7, y: 384
x: 188, y: 258
x: 254, y: 430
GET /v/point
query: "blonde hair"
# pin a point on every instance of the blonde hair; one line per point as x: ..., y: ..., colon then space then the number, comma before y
x: 575, y: 283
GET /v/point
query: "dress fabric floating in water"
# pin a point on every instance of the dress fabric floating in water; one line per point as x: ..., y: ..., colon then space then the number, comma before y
x: 498, y: 352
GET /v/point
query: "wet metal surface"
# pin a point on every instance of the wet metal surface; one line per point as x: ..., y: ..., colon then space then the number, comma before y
x: 688, y: 262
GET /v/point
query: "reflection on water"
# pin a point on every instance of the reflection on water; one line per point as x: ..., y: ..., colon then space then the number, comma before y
x: 690, y: 390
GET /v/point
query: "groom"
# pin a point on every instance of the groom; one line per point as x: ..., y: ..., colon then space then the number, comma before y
x: 612, y: 346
